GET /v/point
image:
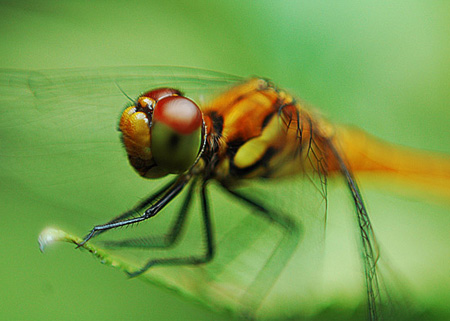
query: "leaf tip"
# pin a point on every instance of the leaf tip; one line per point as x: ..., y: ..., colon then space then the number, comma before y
x: 50, y: 235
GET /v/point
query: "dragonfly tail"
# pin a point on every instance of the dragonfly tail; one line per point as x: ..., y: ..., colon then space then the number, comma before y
x: 369, y: 156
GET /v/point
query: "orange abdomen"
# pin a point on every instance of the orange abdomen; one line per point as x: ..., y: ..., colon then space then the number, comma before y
x: 370, y: 156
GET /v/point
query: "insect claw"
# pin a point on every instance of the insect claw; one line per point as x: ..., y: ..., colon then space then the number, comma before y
x: 86, y: 238
x: 134, y: 274
x: 80, y: 244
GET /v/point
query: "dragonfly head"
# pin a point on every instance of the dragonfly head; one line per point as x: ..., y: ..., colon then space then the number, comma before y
x: 162, y: 133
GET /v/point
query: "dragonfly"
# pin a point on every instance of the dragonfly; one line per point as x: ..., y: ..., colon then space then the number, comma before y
x: 253, y: 130
x: 256, y: 147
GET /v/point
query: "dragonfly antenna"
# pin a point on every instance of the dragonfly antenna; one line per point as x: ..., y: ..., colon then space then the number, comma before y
x: 124, y: 93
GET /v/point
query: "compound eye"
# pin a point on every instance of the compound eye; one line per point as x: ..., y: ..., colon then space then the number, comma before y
x: 160, y: 93
x: 176, y: 133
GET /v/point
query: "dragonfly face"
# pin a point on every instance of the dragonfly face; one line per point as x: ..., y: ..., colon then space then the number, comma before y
x: 162, y: 133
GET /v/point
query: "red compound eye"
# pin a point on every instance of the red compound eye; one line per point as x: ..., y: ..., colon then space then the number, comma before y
x: 180, y: 113
x: 157, y: 94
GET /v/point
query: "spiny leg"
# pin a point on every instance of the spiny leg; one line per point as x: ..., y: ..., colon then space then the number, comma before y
x: 193, y: 259
x: 168, y: 195
x: 140, y: 206
x: 154, y: 241
x: 280, y: 255
x: 369, y: 246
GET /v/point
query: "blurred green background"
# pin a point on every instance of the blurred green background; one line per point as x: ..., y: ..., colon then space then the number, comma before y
x: 383, y: 67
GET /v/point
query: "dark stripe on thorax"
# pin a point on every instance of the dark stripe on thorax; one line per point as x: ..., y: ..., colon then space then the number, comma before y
x: 266, y: 120
x: 217, y: 121
x: 233, y: 146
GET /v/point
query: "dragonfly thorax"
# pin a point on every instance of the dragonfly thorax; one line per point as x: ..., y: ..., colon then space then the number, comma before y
x: 257, y: 130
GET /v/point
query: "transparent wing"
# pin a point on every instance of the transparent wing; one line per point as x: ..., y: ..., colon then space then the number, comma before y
x: 59, y: 136
x: 258, y: 269
x: 60, y: 146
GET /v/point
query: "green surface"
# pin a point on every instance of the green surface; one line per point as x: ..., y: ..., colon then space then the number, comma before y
x: 383, y: 67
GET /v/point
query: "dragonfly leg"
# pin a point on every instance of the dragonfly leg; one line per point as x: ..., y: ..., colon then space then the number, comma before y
x: 194, y: 259
x: 166, y: 240
x: 139, y: 207
x: 167, y: 196
x: 279, y: 257
x: 370, y: 251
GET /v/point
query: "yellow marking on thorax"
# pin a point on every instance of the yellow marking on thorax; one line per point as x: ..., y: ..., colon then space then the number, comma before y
x: 278, y: 149
x: 254, y: 149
